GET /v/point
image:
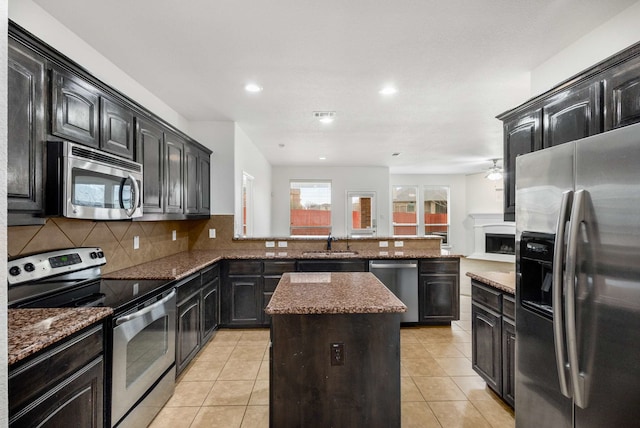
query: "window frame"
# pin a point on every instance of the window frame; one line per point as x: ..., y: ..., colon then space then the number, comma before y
x: 447, y: 240
x: 329, y: 227
x: 416, y: 211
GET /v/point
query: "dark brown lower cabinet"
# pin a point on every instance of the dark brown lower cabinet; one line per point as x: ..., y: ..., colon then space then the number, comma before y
x: 487, y: 346
x: 62, y: 386
x: 308, y: 390
x: 198, y: 313
x: 493, y: 338
x: 439, y: 290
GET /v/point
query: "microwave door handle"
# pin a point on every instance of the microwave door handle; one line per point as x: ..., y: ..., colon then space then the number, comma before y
x: 558, y: 324
x: 135, y: 197
x: 577, y: 217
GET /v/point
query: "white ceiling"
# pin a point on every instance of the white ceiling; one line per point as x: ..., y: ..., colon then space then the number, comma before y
x: 456, y: 64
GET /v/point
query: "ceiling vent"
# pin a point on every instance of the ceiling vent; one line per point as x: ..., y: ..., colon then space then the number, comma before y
x: 324, y: 116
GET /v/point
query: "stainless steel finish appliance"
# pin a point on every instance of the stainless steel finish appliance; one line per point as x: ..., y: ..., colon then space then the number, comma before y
x: 143, y: 353
x: 401, y: 277
x: 578, y: 283
x: 142, y: 340
x: 90, y: 184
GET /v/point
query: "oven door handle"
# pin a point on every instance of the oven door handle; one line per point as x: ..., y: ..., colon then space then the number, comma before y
x: 142, y: 312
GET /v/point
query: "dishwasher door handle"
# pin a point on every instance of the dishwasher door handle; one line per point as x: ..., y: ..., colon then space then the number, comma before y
x: 394, y: 266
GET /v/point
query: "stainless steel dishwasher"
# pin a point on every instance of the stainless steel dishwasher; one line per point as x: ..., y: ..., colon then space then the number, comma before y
x: 401, y: 277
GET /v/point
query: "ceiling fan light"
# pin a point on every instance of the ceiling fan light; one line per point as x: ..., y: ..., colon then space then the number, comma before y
x: 494, y: 173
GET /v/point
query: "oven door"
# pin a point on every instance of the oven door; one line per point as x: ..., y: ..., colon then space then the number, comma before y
x: 143, y: 350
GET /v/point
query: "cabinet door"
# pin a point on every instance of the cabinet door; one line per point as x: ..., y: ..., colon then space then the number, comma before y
x: 150, y: 153
x: 116, y: 134
x: 191, y: 180
x: 439, y: 298
x: 572, y: 114
x: 26, y: 128
x: 245, y: 300
x: 486, y: 342
x: 622, y: 95
x: 204, y: 161
x: 210, y: 308
x: 78, y: 401
x: 521, y: 135
x: 174, y: 173
x: 188, y: 335
x: 508, y: 361
x: 74, y: 109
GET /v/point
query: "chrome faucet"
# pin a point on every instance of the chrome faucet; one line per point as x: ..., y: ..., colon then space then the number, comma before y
x: 329, y: 240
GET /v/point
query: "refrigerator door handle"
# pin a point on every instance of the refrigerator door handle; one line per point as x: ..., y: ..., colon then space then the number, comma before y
x: 558, y: 285
x: 577, y: 217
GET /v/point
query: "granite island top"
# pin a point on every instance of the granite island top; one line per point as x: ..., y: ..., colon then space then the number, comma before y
x: 32, y: 330
x: 504, y: 281
x: 332, y: 293
x: 183, y: 264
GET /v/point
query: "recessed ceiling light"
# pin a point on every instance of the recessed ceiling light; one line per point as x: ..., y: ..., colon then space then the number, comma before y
x: 281, y: 145
x: 395, y: 154
x: 388, y: 90
x: 323, y: 158
x: 252, y: 87
x: 324, y: 116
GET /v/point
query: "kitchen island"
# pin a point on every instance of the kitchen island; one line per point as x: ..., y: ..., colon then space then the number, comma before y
x: 335, y: 351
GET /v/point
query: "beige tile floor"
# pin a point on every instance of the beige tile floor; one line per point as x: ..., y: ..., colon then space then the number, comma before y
x: 227, y: 384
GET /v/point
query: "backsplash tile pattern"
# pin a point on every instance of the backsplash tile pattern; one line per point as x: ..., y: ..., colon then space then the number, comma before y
x: 115, y: 238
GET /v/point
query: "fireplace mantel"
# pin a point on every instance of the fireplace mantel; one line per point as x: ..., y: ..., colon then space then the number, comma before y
x: 487, y: 223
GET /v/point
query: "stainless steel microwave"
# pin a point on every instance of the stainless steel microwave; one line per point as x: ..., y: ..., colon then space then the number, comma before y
x: 86, y: 183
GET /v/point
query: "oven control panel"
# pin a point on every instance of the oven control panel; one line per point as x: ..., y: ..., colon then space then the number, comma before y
x: 35, y: 267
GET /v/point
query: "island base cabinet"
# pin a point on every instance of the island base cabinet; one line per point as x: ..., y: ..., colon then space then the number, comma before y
x: 308, y: 387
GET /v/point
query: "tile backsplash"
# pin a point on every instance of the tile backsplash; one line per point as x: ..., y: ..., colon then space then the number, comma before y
x: 114, y: 237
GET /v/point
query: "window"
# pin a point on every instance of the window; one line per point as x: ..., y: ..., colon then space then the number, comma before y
x: 361, y: 213
x: 405, y: 217
x: 436, y: 211
x: 310, y: 207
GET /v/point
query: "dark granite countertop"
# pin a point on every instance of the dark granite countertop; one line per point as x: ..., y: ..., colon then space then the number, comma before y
x: 181, y: 265
x: 332, y: 293
x: 503, y: 281
x: 32, y: 330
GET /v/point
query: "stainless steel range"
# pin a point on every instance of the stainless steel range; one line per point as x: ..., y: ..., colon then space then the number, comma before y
x: 142, y: 340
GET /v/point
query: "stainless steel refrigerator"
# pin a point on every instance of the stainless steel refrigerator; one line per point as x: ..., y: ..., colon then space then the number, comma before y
x: 578, y: 283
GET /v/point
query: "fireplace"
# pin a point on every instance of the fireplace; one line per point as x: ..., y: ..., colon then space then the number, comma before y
x: 493, y: 239
x: 500, y: 243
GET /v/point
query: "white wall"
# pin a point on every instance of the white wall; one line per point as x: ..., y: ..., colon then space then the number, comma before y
x: 219, y: 137
x: 36, y: 20
x: 457, y: 198
x: 4, y: 401
x: 250, y: 160
x: 618, y: 33
x: 484, y: 196
x: 342, y: 179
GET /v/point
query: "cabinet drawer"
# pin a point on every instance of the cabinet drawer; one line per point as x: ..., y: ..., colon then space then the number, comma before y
x: 188, y: 287
x: 245, y: 268
x: 486, y: 296
x: 53, y: 366
x: 435, y: 266
x: 209, y: 275
x: 277, y: 268
x: 509, y: 306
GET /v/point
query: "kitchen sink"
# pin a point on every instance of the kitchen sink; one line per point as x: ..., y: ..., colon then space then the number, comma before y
x: 330, y: 253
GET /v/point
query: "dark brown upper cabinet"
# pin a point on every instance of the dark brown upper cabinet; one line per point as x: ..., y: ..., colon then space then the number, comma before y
x: 622, y: 94
x: 197, y: 184
x: 174, y: 173
x: 522, y: 134
x: 75, y: 109
x: 572, y: 114
x: 150, y: 153
x: 26, y: 132
x: 116, y: 134
x: 204, y: 160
